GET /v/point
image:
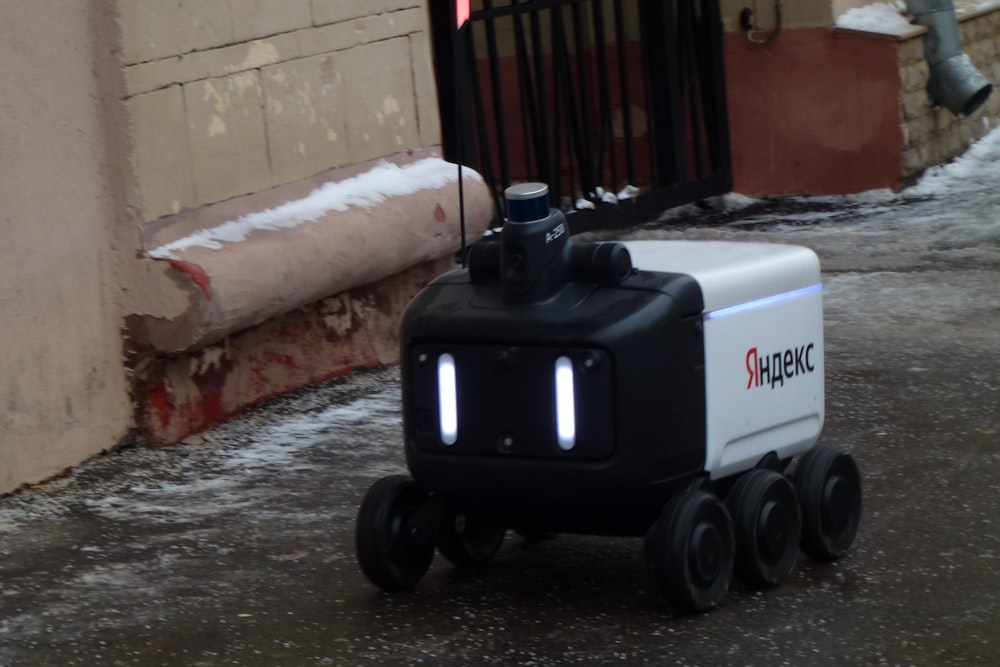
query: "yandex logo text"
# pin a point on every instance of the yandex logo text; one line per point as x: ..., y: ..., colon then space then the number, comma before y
x: 775, y: 368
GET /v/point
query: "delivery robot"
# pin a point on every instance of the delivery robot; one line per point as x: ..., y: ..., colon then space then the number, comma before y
x: 657, y: 389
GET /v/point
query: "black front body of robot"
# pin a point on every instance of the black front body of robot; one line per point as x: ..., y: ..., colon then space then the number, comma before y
x: 636, y: 360
x: 550, y: 387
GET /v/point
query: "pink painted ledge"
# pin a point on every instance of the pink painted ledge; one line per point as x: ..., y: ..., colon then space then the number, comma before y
x: 252, y: 258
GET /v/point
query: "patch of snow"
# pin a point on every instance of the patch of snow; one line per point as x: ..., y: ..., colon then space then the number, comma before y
x: 628, y: 192
x: 881, y: 17
x: 732, y: 201
x: 977, y: 168
x: 369, y: 189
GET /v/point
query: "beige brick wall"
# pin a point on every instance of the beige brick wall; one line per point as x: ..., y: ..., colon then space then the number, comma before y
x: 934, y: 135
x: 228, y: 97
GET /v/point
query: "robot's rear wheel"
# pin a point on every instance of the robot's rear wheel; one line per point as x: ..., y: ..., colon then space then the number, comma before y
x: 767, y: 524
x: 390, y: 552
x: 829, y: 487
x: 468, y: 540
x: 691, y: 550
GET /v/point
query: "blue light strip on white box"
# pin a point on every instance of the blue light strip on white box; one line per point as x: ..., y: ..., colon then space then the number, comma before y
x: 772, y: 300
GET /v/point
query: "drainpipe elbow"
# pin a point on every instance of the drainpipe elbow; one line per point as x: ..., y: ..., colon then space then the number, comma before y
x: 954, y: 82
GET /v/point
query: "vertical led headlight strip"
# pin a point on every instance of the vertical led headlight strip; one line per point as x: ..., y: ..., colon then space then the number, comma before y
x: 447, y: 399
x: 565, y: 404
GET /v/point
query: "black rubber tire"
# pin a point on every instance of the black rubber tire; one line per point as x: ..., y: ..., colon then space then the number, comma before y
x: 767, y: 525
x: 386, y: 557
x: 468, y: 541
x: 691, y: 550
x: 829, y: 487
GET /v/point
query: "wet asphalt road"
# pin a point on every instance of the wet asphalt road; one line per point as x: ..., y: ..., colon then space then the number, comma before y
x: 238, y: 550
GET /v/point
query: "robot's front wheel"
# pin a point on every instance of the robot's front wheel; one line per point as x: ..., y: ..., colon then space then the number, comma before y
x: 468, y: 540
x: 829, y: 487
x: 691, y: 549
x: 390, y: 550
x: 767, y: 524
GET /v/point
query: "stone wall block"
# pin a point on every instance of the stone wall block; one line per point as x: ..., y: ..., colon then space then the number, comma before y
x: 305, y: 116
x: 378, y: 85
x: 162, y: 157
x: 914, y: 104
x: 425, y: 87
x: 334, y: 11
x: 262, y: 18
x: 204, y: 24
x: 227, y: 136
x: 238, y: 58
x: 150, y: 29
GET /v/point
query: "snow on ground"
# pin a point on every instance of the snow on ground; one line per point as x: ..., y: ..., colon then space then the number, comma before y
x: 228, y: 472
x: 979, y: 167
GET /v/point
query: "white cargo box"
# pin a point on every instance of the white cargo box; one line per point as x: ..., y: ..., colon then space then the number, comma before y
x: 763, y: 333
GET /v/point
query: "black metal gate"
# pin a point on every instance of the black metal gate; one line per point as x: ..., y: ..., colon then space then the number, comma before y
x: 619, y: 105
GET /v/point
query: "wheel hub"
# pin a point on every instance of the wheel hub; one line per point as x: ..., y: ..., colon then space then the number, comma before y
x: 706, y: 551
x: 772, y: 529
x: 837, y: 502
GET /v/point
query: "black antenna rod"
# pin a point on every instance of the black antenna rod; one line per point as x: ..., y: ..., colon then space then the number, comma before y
x: 462, y: 11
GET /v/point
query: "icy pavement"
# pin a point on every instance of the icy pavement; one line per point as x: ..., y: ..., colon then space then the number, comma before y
x: 238, y: 549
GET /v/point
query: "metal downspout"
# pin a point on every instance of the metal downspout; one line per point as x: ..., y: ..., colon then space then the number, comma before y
x: 954, y: 82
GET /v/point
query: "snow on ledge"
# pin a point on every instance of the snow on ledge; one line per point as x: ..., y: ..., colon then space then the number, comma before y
x: 366, y: 190
x: 891, y: 18
x: 881, y: 17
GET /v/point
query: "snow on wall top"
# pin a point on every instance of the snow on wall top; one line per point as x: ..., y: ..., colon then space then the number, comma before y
x: 366, y: 190
x: 881, y: 17
x: 890, y: 18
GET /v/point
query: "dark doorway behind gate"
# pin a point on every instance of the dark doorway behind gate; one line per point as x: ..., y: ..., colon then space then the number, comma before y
x: 619, y: 105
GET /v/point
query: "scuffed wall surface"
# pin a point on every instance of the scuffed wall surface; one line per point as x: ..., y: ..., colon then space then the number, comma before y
x: 186, y: 393
x: 63, y: 395
x: 227, y: 98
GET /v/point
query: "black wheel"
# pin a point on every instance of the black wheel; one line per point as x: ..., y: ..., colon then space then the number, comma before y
x: 767, y: 525
x: 467, y: 540
x: 691, y: 550
x: 829, y: 487
x: 390, y: 560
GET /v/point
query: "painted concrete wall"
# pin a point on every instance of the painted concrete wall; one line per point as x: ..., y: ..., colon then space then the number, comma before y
x: 796, y: 133
x: 62, y: 387
x: 114, y: 116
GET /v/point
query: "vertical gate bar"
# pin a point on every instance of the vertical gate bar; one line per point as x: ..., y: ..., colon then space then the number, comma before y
x: 668, y: 110
x: 585, y: 153
x: 690, y: 76
x: 485, y: 161
x: 653, y: 46
x: 605, y: 135
x: 545, y: 128
x: 715, y: 90
x: 498, y: 97
x: 445, y: 55
x: 626, y: 99
x: 675, y: 106
x: 529, y: 106
x: 555, y: 27
x: 568, y: 103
